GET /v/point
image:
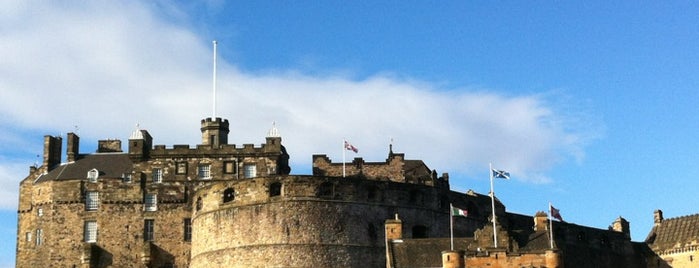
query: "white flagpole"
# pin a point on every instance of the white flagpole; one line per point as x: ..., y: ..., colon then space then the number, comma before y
x: 492, y: 200
x: 343, y: 156
x: 550, y: 225
x: 213, y: 114
x: 451, y: 225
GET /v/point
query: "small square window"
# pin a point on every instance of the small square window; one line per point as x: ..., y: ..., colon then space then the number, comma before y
x: 230, y: 167
x: 40, y: 212
x: 250, y: 171
x: 181, y: 168
x: 151, y: 202
x: 204, y: 172
x: 92, y: 201
x: 157, y: 175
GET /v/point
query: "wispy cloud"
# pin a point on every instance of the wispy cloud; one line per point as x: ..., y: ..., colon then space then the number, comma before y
x: 106, y: 66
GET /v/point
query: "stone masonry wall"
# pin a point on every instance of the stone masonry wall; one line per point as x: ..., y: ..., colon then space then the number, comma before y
x: 305, y: 225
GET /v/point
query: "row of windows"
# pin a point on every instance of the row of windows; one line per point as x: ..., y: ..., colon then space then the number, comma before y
x: 92, y: 202
x: 90, y: 231
x: 203, y: 172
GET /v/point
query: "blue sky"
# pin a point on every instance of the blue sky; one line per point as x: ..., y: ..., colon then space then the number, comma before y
x: 590, y: 106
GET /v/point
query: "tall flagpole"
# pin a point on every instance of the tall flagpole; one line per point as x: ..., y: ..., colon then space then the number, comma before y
x: 492, y: 200
x: 550, y: 225
x: 344, y: 148
x: 213, y: 116
x: 451, y: 225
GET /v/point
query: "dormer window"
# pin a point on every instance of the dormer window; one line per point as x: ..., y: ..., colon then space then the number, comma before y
x: 92, y: 175
x: 126, y: 177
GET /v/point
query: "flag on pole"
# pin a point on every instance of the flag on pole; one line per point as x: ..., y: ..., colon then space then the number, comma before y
x: 501, y: 174
x: 555, y: 213
x: 459, y: 212
x: 351, y: 147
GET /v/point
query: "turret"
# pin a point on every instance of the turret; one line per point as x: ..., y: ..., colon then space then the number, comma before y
x: 214, y: 132
x: 140, y: 143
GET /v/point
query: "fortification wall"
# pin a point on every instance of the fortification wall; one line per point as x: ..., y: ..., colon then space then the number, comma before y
x: 311, y: 222
x: 391, y: 170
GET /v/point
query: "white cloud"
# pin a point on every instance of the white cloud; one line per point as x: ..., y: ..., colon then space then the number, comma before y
x: 107, y: 66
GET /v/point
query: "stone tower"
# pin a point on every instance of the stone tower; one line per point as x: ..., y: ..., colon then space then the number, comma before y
x: 214, y: 131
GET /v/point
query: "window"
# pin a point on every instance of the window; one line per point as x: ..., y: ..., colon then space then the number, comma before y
x: 250, y: 171
x: 157, y: 175
x: 151, y: 202
x: 28, y: 236
x: 39, y: 237
x: 275, y: 189
x: 181, y: 168
x: 40, y: 212
x: 92, y: 175
x: 92, y: 201
x: 187, y: 229
x: 126, y: 178
x: 229, y: 167
x: 200, y: 203
x: 148, y: 230
x: 205, y: 172
x: 228, y: 195
x: 325, y: 190
x: 90, y: 231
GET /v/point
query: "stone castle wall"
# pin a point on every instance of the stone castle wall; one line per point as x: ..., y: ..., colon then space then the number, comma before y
x: 313, y: 222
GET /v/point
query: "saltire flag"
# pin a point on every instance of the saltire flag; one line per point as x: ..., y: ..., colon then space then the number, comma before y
x: 459, y: 212
x: 351, y: 147
x: 501, y: 174
x: 556, y: 214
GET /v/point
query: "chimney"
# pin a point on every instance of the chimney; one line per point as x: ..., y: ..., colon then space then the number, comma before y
x: 109, y: 146
x: 622, y: 225
x: 52, y: 152
x: 540, y: 221
x: 657, y: 216
x: 73, y: 144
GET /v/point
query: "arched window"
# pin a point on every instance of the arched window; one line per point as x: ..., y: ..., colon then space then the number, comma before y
x: 325, y: 190
x: 228, y: 195
x: 419, y: 231
x: 275, y: 189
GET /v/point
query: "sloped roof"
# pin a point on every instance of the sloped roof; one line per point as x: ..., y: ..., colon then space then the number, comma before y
x: 674, y: 233
x: 109, y: 165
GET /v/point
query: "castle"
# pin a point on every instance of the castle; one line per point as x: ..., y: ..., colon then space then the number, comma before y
x: 218, y: 204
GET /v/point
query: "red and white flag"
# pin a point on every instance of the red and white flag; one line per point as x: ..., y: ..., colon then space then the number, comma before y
x: 556, y: 214
x: 351, y: 147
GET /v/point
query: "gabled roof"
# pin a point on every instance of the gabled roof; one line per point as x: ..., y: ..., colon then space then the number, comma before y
x: 674, y: 233
x: 109, y: 165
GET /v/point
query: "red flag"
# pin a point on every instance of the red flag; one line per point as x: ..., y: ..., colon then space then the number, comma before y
x: 556, y: 214
x: 351, y: 147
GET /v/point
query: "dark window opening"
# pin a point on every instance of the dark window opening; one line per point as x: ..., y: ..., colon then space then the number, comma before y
x: 325, y: 190
x: 228, y: 195
x: 199, y: 203
x: 275, y: 189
